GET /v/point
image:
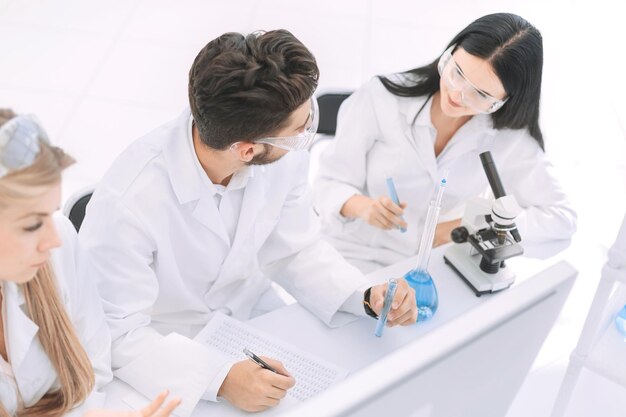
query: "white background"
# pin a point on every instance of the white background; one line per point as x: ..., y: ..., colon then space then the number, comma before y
x: 101, y: 73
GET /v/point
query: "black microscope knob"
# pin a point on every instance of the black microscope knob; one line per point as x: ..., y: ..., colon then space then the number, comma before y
x: 459, y: 235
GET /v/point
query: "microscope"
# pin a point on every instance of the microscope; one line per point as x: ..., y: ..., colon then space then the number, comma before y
x: 487, y: 237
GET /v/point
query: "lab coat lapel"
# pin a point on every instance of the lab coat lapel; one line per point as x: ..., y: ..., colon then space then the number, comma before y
x: 254, y: 198
x: 189, y: 181
x: 240, y: 259
x: 29, y: 361
x: 473, y: 137
x: 207, y: 214
x: 21, y: 330
x: 419, y: 134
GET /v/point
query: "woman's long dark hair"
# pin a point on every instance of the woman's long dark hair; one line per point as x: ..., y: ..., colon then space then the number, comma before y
x: 514, y: 48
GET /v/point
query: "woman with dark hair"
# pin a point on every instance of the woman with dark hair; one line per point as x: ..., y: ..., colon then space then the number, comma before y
x: 481, y: 94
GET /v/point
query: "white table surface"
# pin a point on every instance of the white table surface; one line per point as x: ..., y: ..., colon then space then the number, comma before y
x: 354, y: 346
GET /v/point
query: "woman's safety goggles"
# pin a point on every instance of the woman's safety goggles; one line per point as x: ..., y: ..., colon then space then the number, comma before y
x: 19, y: 143
x: 302, y: 141
x: 471, y: 95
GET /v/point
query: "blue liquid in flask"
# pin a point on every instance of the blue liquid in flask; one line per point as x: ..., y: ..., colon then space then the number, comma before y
x: 426, y: 296
x: 418, y: 278
x: 620, y: 322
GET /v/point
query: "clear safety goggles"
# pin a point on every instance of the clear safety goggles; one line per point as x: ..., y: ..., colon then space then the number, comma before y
x: 301, y: 141
x: 19, y: 143
x: 471, y: 95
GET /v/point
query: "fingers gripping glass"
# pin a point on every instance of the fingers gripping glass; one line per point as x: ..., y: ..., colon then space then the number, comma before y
x: 302, y: 141
x: 471, y: 95
x: 19, y: 143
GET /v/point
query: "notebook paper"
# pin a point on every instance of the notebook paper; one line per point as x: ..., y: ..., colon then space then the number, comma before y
x: 312, y: 375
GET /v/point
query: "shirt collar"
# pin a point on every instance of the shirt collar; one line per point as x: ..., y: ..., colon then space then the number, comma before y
x: 13, y: 291
x: 188, y: 178
x: 239, y: 179
x: 480, y: 122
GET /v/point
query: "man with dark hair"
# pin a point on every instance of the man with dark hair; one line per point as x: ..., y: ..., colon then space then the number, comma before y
x: 197, y: 216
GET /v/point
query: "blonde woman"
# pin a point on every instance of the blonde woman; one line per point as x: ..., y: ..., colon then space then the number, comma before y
x: 54, y: 342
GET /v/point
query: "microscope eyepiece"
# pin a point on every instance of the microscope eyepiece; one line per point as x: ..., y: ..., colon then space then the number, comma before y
x: 492, y: 174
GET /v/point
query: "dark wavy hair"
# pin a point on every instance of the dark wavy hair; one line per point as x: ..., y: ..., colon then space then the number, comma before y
x: 246, y: 87
x: 514, y: 48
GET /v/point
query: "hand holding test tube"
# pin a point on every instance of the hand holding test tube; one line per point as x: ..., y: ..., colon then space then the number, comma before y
x: 382, y: 318
x: 391, y: 188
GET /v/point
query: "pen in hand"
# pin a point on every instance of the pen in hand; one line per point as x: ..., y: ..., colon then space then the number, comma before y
x: 254, y: 358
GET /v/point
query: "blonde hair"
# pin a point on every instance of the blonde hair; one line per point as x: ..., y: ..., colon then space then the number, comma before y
x: 56, y: 331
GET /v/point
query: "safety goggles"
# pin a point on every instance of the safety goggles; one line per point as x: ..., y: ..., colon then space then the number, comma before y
x: 471, y: 95
x: 19, y: 143
x: 301, y: 141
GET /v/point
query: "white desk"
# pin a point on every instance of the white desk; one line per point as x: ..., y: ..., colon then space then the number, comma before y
x: 355, y: 347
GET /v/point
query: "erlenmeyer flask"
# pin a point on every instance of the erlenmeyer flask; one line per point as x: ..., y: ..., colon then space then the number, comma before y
x: 425, y: 293
x: 419, y: 278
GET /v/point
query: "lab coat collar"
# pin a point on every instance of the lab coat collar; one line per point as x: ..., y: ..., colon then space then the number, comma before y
x: 182, y: 162
x: 239, y: 180
x: 207, y: 212
x: 31, y: 365
x: 412, y: 106
x: 20, y: 329
x: 474, y: 136
x: 482, y: 122
x: 190, y: 182
x: 477, y: 133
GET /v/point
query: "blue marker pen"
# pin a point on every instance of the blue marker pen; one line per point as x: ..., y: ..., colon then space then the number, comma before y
x: 391, y: 188
x: 382, y: 318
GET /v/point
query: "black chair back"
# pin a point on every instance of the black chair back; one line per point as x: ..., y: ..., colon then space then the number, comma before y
x: 329, y: 107
x: 77, y: 212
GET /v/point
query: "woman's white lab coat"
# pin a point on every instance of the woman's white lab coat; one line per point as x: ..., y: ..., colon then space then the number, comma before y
x: 377, y: 135
x: 165, y: 261
x: 33, y: 371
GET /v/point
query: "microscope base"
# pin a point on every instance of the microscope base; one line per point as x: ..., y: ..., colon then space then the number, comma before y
x: 468, y: 268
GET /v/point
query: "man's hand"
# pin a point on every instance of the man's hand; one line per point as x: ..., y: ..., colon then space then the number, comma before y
x: 403, y: 307
x: 252, y: 388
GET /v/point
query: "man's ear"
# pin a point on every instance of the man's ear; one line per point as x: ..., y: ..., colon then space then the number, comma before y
x: 243, y: 150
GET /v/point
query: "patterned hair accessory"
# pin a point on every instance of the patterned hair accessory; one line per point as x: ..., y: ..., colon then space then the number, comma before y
x: 20, y: 143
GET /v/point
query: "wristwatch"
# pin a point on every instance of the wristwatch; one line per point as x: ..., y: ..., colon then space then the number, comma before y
x: 366, y: 304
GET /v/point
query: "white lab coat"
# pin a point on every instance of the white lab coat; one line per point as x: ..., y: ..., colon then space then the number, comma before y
x: 33, y: 371
x: 164, y: 259
x: 376, y: 135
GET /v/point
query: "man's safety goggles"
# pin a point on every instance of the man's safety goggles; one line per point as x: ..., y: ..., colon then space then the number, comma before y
x: 301, y: 141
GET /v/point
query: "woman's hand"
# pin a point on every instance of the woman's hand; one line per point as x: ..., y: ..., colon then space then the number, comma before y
x: 381, y: 212
x: 152, y: 410
x: 443, y: 230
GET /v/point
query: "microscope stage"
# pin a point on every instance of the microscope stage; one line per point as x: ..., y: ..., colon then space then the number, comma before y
x: 468, y: 268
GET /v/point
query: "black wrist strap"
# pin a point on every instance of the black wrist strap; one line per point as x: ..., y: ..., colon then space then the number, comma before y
x: 366, y: 304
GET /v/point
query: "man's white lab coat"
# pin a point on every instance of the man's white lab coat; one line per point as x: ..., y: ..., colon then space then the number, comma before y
x: 165, y: 262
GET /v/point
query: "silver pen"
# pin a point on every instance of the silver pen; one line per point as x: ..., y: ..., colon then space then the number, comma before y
x: 254, y: 358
